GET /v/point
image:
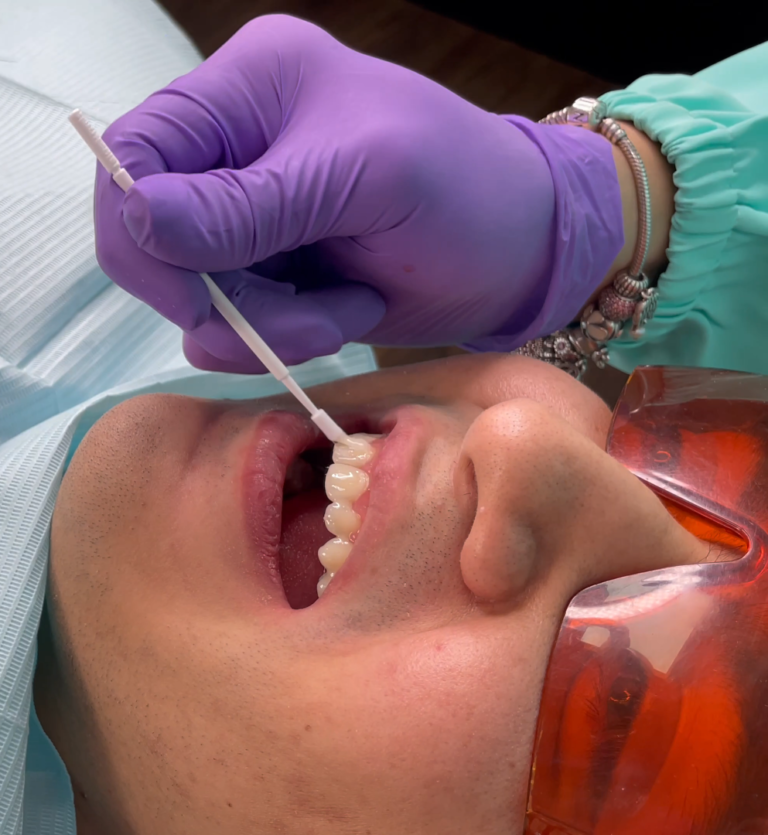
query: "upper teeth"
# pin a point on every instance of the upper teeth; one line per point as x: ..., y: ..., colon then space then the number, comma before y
x: 334, y: 554
x: 344, y: 485
x: 341, y: 520
x: 356, y: 449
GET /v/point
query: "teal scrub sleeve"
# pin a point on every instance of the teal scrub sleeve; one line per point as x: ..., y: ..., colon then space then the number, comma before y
x: 713, y: 296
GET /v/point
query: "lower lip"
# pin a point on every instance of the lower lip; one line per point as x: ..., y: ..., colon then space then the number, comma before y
x: 278, y: 439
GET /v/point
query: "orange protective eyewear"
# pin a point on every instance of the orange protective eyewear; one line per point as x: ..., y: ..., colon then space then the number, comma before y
x: 654, y: 713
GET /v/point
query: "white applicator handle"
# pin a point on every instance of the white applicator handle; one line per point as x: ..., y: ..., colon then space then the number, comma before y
x: 272, y: 362
x: 231, y: 314
x: 100, y: 149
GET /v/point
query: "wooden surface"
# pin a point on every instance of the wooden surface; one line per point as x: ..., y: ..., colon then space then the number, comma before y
x: 493, y: 73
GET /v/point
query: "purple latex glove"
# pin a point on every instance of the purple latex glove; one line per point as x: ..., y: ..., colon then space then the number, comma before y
x: 335, y: 197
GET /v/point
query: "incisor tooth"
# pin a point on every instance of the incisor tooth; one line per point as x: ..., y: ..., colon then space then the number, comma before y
x: 341, y: 520
x: 354, y: 449
x: 334, y: 554
x: 345, y: 483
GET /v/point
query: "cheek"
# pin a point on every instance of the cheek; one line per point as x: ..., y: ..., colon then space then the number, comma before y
x: 455, y: 709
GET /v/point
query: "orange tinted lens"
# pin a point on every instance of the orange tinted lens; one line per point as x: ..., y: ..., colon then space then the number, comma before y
x: 653, y: 715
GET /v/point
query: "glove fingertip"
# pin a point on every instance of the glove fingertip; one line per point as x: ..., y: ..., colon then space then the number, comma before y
x: 295, y: 332
x: 322, y: 339
x: 198, y: 357
x: 353, y: 309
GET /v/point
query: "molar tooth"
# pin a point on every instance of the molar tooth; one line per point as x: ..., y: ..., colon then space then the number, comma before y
x: 345, y: 483
x: 341, y: 520
x: 356, y: 449
x: 334, y: 554
x: 322, y: 583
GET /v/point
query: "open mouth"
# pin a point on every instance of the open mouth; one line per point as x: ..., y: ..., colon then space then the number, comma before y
x: 302, y: 528
x: 286, y: 500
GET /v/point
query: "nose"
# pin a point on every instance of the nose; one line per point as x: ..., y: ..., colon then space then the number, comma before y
x: 554, y: 511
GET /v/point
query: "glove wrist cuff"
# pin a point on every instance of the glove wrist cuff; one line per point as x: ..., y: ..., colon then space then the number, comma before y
x: 629, y: 298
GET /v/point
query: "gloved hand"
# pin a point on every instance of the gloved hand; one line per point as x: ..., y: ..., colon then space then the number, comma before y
x: 335, y: 197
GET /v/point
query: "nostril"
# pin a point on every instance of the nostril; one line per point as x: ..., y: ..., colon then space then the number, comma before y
x: 499, y: 557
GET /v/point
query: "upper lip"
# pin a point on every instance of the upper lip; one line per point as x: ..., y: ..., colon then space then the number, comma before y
x: 277, y: 439
x: 393, y: 476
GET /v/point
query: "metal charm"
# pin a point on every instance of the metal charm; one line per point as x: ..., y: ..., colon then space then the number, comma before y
x: 559, y: 350
x: 629, y: 299
x: 644, y: 311
x: 597, y: 326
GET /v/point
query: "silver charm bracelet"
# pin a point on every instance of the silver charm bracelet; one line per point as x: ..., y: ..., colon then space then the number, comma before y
x: 629, y: 299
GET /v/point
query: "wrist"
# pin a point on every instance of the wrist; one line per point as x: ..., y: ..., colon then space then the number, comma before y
x: 641, y: 193
x: 662, y: 192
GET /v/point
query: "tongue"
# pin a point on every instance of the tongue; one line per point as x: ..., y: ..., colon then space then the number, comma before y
x: 303, y: 532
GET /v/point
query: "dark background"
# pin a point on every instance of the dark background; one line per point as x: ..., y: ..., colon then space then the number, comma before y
x: 528, y: 58
x: 490, y: 71
x: 620, y: 40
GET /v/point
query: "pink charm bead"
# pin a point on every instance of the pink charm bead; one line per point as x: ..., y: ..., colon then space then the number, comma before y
x: 614, y: 306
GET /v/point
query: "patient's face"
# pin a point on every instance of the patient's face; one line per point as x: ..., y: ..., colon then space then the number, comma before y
x: 187, y: 695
